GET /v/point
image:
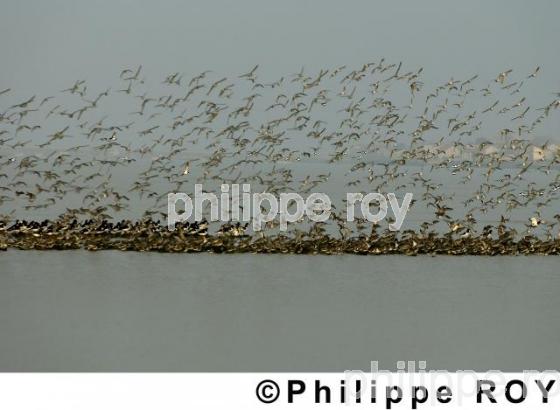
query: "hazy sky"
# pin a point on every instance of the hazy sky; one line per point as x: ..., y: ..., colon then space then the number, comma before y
x: 48, y: 44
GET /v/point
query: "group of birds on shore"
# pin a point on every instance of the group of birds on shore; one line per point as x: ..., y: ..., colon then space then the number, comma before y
x: 150, y: 235
x: 83, y: 165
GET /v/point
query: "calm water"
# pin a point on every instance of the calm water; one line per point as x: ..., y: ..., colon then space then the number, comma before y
x: 110, y: 311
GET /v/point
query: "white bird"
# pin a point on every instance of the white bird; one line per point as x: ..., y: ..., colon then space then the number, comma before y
x: 535, y: 221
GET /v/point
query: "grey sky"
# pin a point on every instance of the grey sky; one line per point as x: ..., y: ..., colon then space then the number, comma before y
x: 48, y: 44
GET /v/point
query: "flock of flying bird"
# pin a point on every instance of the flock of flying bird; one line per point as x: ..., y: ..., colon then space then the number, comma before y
x: 103, y: 162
